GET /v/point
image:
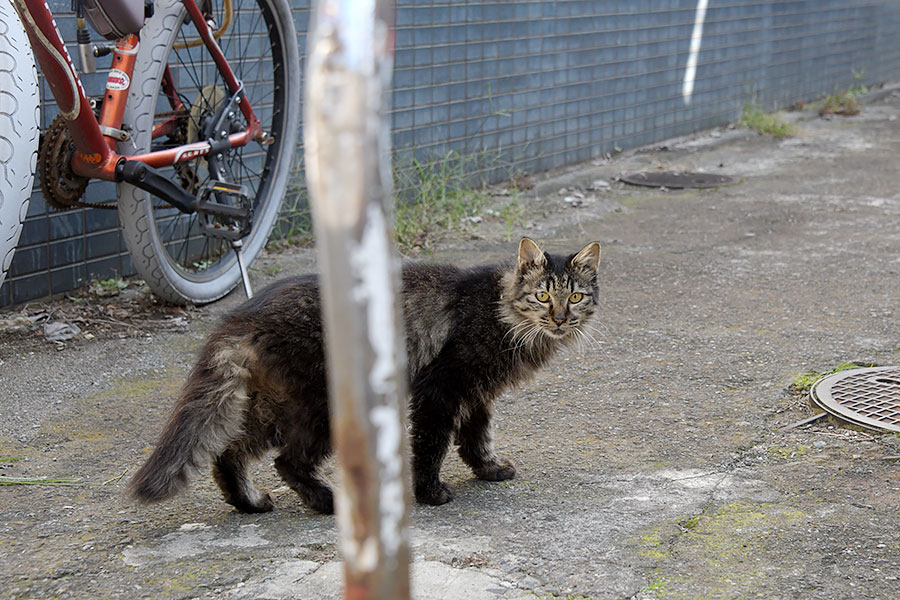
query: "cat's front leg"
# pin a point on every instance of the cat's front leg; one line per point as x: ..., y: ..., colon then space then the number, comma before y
x: 476, y: 446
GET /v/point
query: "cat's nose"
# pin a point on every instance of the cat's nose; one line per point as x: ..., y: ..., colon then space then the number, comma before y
x: 559, y: 320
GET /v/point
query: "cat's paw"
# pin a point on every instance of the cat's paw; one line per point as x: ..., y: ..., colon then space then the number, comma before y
x: 498, y: 471
x: 320, y: 500
x: 434, y: 494
x: 265, y: 503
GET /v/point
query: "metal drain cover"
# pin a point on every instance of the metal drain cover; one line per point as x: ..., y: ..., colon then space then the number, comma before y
x: 675, y: 180
x: 867, y: 397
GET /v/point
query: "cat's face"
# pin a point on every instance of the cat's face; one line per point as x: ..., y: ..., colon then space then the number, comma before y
x: 552, y: 297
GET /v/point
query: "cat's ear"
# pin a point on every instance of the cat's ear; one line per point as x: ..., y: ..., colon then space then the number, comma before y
x: 588, y: 257
x: 530, y: 255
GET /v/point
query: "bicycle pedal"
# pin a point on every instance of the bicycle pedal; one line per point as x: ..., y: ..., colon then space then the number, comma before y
x: 224, y: 210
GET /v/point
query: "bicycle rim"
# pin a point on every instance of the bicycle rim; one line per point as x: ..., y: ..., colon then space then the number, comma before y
x: 187, y: 91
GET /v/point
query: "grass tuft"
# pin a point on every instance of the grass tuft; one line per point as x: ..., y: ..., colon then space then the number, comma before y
x: 293, y: 227
x: 840, y: 103
x: 513, y: 215
x: 765, y: 123
x: 844, y: 102
x: 438, y: 195
x: 804, y: 381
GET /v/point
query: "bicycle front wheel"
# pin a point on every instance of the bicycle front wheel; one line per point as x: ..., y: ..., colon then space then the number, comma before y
x: 176, y: 93
x: 19, y: 131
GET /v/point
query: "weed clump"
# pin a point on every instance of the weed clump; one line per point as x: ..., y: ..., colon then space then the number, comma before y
x: 758, y: 120
x: 437, y: 195
x: 843, y: 103
x: 804, y: 381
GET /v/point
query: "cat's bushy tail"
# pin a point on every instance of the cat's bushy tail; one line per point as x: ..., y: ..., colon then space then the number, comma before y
x: 209, y: 415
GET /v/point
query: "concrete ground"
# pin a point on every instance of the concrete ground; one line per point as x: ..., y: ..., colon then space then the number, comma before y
x: 653, y: 465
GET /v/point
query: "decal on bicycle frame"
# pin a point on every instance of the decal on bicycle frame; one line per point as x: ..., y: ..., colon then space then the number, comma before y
x: 63, y: 59
x: 91, y: 159
x: 191, y: 151
x: 117, y: 80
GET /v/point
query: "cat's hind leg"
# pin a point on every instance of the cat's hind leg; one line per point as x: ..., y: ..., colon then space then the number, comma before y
x: 298, y: 465
x: 230, y: 472
x: 476, y: 446
x: 432, y: 419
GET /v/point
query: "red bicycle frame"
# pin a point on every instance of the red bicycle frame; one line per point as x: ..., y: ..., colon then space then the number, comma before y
x: 95, y: 153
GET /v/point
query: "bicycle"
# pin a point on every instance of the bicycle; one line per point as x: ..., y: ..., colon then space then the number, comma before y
x: 197, y: 126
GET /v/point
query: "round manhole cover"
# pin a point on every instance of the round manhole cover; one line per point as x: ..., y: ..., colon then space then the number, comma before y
x: 867, y: 397
x: 676, y: 180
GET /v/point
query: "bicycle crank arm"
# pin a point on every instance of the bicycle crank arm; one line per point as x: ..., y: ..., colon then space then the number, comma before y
x: 149, y: 179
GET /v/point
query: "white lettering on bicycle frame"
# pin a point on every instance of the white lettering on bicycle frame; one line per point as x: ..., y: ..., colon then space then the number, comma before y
x: 64, y: 60
x: 191, y: 151
x: 117, y: 80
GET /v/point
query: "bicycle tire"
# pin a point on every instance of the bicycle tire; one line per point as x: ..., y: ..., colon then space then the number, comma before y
x: 179, y: 263
x: 19, y: 131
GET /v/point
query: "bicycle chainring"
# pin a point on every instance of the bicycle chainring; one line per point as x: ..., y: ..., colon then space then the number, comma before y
x: 62, y: 188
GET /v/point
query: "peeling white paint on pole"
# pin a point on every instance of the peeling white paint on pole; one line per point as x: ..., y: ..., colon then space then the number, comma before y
x: 690, y: 70
x: 388, y: 450
x: 372, y: 267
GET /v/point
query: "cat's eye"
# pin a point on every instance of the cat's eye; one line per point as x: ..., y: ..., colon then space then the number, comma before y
x: 576, y: 297
x: 542, y: 296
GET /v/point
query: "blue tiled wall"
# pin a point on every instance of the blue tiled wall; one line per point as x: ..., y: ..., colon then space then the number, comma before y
x: 541, y: 84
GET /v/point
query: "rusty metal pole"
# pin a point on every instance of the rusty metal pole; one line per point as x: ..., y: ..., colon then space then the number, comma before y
x: 347, y: 147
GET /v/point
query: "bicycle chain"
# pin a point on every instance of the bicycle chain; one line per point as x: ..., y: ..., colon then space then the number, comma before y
x: 63, y: 188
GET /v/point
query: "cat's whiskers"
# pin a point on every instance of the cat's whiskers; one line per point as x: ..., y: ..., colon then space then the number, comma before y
x: 592, y: 330
x: 519, y: 333
x: 542, y: 340
x: 531, y: 335
x: 528, y: 336
x: 515, y: 331
x: 598, y: 327
x: 585, y: 340
x: 575, y: 338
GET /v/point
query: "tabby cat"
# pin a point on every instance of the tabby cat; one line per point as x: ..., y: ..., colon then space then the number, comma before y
x: 470, y: 333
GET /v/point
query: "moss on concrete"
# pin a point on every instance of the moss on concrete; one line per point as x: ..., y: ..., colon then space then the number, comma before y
x: 787, y: 452
x: 652, y: 546
x: 719, y: 548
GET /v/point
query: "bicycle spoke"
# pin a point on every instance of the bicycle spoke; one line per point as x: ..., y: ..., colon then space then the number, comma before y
x: 257, y: 55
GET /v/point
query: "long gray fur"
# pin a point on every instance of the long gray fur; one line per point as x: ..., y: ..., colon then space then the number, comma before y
x: 260, y: 381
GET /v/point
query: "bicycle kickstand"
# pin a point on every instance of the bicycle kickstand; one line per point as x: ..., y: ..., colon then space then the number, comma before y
x: 237, y: 245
